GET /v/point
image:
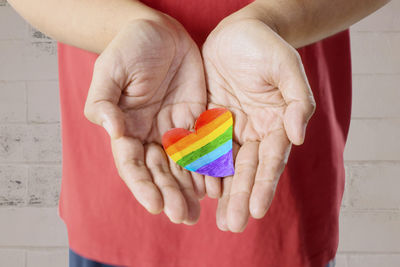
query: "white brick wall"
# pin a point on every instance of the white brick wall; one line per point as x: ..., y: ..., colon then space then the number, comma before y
x: 12, y: 257
x: 370, y: 217
x: 375, y: 96
x: 31, y: 233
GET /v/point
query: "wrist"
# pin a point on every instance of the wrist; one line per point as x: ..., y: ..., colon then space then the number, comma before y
x: 271, y: 14
x: 124, y: 16
x: 255, y: 10
x: 141, y: 12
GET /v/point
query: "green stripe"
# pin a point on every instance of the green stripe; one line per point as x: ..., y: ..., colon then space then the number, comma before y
x: 189, y: 158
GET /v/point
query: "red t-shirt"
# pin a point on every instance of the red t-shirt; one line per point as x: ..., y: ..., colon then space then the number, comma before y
x: 106, y: 223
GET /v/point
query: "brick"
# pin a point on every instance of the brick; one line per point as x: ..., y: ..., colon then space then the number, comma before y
x: 12, y: 25
x: 13, y: 185
x: 374, y: 185
x: 12, y: 102
x: 43, y: 101
x: 34, y: 227
x: 30, y: 143
x: 43, y: 143
x: 375, y: 52
x: 376, y: 232
x: 376, y: 96
x: 373, y: 139
x: 385, y: 19
x: 388, y: 260
x: 47, y: 258
x: 12, y: 258
x: 11, y: 142
x: 28, y: 61
x: 44, y: 185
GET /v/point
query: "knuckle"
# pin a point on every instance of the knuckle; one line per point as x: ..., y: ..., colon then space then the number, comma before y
x: 176, y: 168
x: 125, y: 165
x: 244, y: 193
x: 169, y: 186
x: 136, y: 162
x: 161, y: 168
x: 244, y: 167
x: 311, y: 105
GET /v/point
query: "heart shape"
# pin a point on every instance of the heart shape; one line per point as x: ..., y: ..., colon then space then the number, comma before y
x: 208, y: 150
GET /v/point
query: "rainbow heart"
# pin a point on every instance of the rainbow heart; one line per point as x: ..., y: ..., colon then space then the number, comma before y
x: 208, y: 150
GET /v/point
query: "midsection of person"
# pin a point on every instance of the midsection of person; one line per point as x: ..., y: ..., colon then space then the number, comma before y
x: 198, y: 17
x: 101, y: 207
x: 107, y: 224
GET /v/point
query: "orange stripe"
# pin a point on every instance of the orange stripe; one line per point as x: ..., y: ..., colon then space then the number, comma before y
x: 173, y: 136
x: 201, y: 132
x: 208, y: 116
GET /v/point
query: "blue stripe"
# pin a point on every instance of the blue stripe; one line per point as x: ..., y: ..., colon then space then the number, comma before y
x: 210, y: 157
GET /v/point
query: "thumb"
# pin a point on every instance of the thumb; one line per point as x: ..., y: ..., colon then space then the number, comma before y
x: 101, y: 105
x: 299, y: 99
x: 295, y: 120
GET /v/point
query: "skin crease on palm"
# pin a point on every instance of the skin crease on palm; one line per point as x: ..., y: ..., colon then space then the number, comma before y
x: 146, y: 85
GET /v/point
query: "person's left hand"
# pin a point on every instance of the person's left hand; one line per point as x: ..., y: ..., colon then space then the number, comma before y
x: 260, y: 78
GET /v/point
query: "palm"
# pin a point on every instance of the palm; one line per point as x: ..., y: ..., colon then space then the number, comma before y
x: 246, y: 72
x: 258, y: 106
x: 165, y: 86
x: 150, y: 79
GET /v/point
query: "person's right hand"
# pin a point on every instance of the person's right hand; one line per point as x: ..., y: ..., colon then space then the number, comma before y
x: 148, y: 80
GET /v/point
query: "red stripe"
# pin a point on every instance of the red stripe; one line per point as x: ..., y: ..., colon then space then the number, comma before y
x: 173, y: 136
x: 208, y: 116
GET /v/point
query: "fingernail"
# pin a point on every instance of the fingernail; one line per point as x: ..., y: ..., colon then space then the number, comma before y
x: 303, y: 132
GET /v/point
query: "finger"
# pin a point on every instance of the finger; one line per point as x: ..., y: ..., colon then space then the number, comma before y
x: 101, y: 105
x: 274, y: 151
x: 297, y: 93
x: 222, y: 208
x: 184, y: 181
x: 174, y: 202
x: 242, y: 183
x: 198, y: 185
x: 129, y: 159
x: 213, y: 186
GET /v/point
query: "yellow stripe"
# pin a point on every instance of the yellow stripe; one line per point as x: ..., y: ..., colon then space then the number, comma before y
x: 204, y: 141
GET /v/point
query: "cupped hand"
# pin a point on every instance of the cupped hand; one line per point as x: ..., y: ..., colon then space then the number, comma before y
x: 253, y: 72
x: 150, y: 79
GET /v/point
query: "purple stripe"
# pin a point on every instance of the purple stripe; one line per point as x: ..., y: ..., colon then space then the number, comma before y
x: 221, y: 167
